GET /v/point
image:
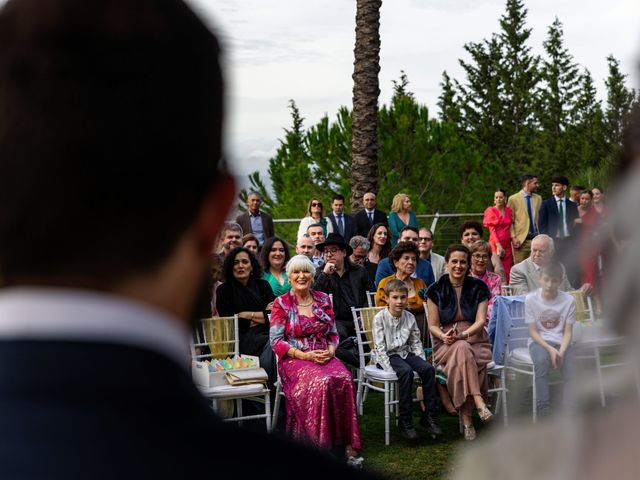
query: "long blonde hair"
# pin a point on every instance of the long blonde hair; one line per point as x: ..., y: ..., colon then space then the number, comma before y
x: 396, y: 205
x: 321, y: 206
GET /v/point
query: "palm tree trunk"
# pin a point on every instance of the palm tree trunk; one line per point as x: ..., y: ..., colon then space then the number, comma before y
x: 366, y: 90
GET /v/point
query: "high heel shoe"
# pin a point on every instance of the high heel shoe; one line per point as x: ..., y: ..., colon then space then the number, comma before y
x: 485, y: 414
x: 469, y: 432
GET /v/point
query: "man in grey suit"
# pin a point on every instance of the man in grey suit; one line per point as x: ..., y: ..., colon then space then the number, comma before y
x: 254, y: 221
x: 525, y: 275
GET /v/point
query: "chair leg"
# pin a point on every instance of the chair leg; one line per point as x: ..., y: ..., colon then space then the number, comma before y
x: 386, y: 413
x: 267, y: 410
x: 359, y: 399
x: 276, y: 405
x: 503, y: 398
x: 603, y: 401
x: 535, y: 399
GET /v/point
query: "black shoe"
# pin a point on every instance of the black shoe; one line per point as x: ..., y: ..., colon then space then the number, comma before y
x: 430, y: 424
x: 405, y: 427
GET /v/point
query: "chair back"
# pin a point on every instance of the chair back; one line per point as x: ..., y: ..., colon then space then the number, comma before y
x: 363, y: 322
x: 584, y: 307
x: 507, y: 290
x: 215, y: 337
x: 519, y: 332
x: 371, y: 299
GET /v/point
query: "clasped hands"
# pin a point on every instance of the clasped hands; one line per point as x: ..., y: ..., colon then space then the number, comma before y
x: 556, y: 356
x: 452, y: 335
x: 318, y: 356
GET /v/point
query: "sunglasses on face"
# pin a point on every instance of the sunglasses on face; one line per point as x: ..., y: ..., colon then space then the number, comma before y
x: 316, y: 204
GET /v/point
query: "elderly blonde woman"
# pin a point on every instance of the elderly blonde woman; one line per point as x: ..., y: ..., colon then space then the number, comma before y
x: 401, y: 216
x: 319, y: 392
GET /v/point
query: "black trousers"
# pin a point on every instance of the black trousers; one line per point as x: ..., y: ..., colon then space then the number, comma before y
x: 404, y: 369
x: 347, y: 351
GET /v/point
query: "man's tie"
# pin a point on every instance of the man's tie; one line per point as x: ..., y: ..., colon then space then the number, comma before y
x: 561, y: 232
x: 532, y: 228
x: 340, y: 226
x: 370, y: 218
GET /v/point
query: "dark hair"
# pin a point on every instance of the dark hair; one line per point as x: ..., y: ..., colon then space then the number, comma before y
x: 552, y: 269
x: 526, y: 177
x: 501, y: 191
x: 250, y: 237
x: 471, y: 224
x: 227, y: 267
x: 561, y: 179
x: 337, y: 196
x: 457, y: 247
x: 587, y: 191
x: 400, y: 249
x: 386, y: 248
x: 409, y: 227
x: 110, y: 133
x: 266, y: 249
x: 578, y: 188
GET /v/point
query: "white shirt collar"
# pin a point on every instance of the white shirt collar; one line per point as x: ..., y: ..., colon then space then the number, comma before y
x: 28, y: 313
x: 558, y: 199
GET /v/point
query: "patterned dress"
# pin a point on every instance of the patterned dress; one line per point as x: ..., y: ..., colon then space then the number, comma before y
x: 499, y: 232
x: 320, y: 406
x: 494, y: 282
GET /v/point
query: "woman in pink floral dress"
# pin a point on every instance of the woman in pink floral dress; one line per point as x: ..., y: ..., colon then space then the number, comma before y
x: 498, y: 221
x: 319, y: 392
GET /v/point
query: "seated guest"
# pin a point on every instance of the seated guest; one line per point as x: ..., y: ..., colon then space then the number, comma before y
x: 525, y: 275
x: 244, y: 293
x: 230, y: 238
x: 425, y: 245
x: 360, y: 246
x: 401, y: 216
x: 305, y: 246
x: 318, y: 389
x: 315, y: 214
x: 404, y: 258
x: 274, y: 258
x: 471, y: 232
x: 457, y: 305
x: 250, y: 242
x: 398, y: 349
x: 380, y: 241
x: 480, y: 255
x: 349, y: 284
x: 369, y: 215
x: 423, y: 268
x: 316, y: 233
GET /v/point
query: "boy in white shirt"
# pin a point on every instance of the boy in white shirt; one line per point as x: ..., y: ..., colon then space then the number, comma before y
x: 550, y: 314
x: 398, y: 348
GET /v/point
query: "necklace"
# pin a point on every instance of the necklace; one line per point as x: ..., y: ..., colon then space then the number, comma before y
x: 305, y: 304
x: 456, y: 285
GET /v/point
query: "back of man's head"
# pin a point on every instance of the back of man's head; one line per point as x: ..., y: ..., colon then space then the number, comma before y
x: 110, y: 123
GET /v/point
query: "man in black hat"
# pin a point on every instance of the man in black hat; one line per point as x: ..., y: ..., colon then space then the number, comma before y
x: 349, y: 284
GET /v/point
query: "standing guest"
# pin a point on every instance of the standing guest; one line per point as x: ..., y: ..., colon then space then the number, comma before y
x: 425, y: 245
x: 598, y: 200
x: 398, y: 349
x: 457, y: 305
x: 401, y: 216
x: 349, y: 284
x: 250, y: 242
x: 305, y: 246
x: 524, y: 206
x: 480, y: 255
x: 369, y: 215
x: 319, y: 392
x: 557, y: 215
x: 423, y: 268
x: 274, y: 258
x: 587, y: 227
x: 498, y: 220
x: 576, y: 190
x: 470, y: 232
x: 131, y: 87
x: 230, y: 238
x: 342, y: 223
x: 404, y: 258
x: 360, y: 246
x: 245, y: 294
x: 380, y: 241
x: 314, y: 216
x: 255, y: 221
x: 316, y: 233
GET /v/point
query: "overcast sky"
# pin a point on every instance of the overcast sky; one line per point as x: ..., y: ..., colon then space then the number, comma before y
x: 278, y: 50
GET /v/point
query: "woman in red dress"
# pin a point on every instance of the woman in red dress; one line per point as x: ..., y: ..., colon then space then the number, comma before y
x: 498, y: 220
x: 587, y: 227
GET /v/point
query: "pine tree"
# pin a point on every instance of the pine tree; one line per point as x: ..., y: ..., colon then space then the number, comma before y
x: 448, y: 101
x: 619, y: 102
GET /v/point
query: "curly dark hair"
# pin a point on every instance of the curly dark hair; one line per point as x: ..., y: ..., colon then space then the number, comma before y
x: 266, y: 249
x: 457, y: 247
x: 400, y: 249
x: 477, y: 226
x: 227, y: 267
x: 386, y: 248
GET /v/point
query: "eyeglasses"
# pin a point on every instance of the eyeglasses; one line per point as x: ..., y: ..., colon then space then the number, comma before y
x: 316, y: 204
x: 425, y: 239
x: 331, y: 251
x: 480, y: 256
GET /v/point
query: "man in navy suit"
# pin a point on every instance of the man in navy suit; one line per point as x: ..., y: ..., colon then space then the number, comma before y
x: 369, y: 215
x: 113, y: 194
x: 343, y: 223
x: 556, y: 219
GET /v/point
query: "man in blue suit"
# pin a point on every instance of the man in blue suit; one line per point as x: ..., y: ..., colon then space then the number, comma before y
x: 343, y: 223
x: 113, y: 194
x: 556, y: 219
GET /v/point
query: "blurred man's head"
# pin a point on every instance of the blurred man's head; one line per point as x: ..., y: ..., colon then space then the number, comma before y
x: 253, y: 203
x: 369, y: 200
x: 305, y: 246
x: 541, y: 249
x: 231, y: 236
x: 575, y: 193
x: 110, y: 133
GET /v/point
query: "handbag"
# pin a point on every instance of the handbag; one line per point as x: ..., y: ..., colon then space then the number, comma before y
x: 246, y: 376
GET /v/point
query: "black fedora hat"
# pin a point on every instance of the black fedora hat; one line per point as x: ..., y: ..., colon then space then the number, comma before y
x: 335, y: 239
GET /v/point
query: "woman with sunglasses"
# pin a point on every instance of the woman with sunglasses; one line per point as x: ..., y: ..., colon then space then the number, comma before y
x: 315, y: 214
